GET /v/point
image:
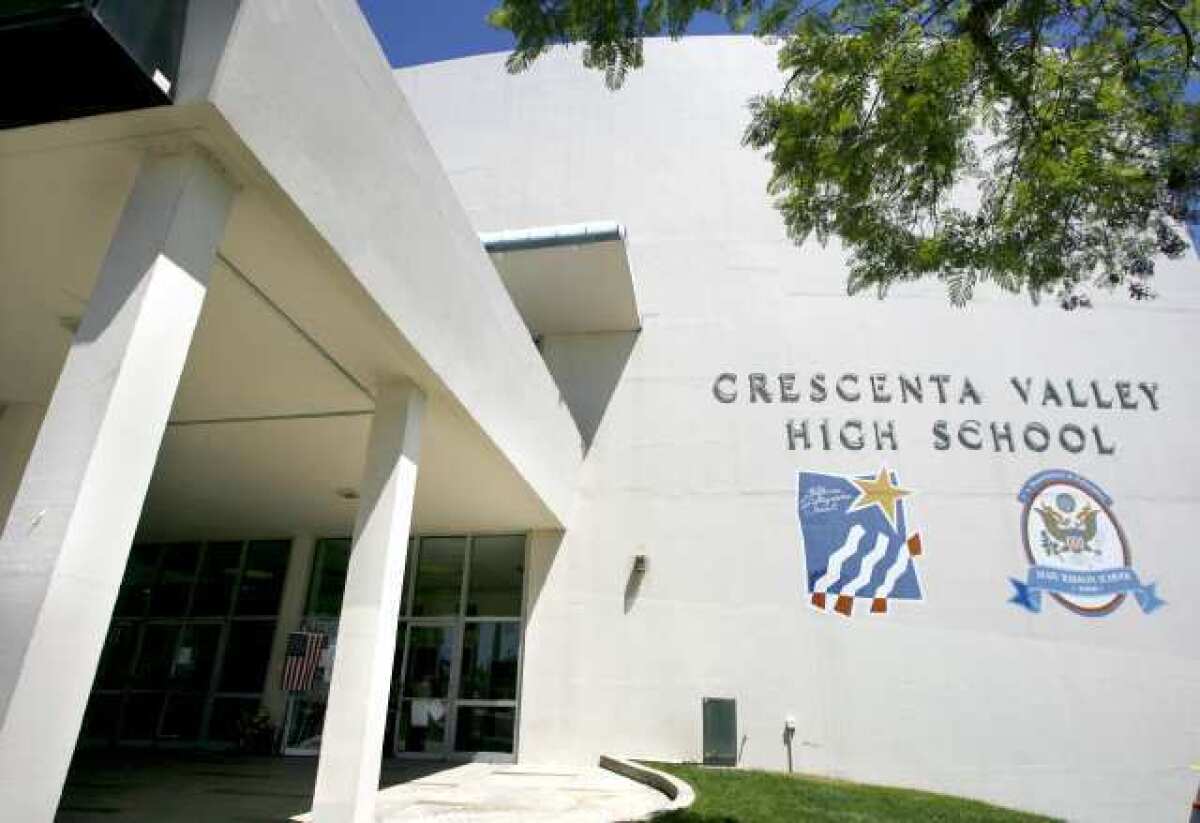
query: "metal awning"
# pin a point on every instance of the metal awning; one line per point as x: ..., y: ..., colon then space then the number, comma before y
x: 569, y: 279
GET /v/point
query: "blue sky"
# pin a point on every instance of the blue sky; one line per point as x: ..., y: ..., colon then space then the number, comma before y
x: 421, y: 31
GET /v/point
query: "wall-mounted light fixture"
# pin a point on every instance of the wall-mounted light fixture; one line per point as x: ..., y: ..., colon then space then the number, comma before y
x: 636, y: 572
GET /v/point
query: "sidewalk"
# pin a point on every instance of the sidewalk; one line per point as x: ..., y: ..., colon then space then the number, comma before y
x: 487, y: 793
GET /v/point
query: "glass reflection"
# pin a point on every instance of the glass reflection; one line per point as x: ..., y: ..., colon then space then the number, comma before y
x: 489, y: 667
x: 497, y: 572
x: 430, y: 656
x: 192, y: 667
x: 218, y: 575
x: 439, y: 576
x: 484, y: 729
x: 246, y: 655
x: 174, y: 584
x: 262, y: 581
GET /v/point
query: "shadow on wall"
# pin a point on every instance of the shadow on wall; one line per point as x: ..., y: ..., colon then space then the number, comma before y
x: 587, y: 368
x: 543, y: 551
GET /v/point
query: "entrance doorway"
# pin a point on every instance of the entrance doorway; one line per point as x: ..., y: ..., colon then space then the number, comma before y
x: 456, y: 672
x: 459, y: 648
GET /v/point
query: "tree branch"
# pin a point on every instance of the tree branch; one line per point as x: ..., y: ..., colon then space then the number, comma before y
x: 977, y: 25
x: 1189, y: 44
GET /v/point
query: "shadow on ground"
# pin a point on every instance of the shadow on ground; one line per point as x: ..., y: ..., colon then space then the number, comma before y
x: 170, y: 787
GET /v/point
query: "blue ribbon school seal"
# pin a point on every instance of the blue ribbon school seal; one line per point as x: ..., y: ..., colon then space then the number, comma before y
x: 1076, y: 549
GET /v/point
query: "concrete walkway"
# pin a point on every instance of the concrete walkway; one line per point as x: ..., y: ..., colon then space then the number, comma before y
x: 482, y: 793
x: 161, y: 787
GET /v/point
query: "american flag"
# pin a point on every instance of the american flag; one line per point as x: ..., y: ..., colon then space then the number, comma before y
x: 300, y: 663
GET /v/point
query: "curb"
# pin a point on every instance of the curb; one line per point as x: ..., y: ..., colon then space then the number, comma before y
x: 680, y: 793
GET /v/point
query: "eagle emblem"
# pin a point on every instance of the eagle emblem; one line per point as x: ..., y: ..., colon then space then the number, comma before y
x: 1077, y: 552
x: 1066, y: 527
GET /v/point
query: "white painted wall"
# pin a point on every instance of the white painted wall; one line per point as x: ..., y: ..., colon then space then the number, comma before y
x: 1090, y: 718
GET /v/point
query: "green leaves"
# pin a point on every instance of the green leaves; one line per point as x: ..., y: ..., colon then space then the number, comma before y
x: 1068, y: 123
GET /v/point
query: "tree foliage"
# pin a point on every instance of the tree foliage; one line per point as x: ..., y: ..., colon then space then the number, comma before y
x: 1071, y: 127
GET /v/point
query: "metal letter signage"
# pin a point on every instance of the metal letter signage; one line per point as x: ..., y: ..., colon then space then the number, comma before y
x: 883, y: 391
x: 1076, y: 549
x: 859, y: 540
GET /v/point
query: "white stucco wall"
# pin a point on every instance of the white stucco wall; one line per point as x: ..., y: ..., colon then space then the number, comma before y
x: 1091, y: 718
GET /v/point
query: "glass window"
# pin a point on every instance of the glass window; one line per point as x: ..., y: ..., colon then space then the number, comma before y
x: 439, y: 576
x: 181, y: 720
x: 484, y: 729
x: 497, y: 569
x: 174, y: 584
x: 191, y: 670
x: 262, y: 580
x: 117, y: 656
x: 142, y: 711
x: 218, y: 576
x: 489, y: 667
x: 330, y: 562
x: 156, y: 655
x: 134, y: 595
x: 246, y: 655
x: 430, y: 656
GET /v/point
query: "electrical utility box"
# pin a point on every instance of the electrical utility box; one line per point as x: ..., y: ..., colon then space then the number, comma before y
x: 720, y: 731
x: 62, y: 59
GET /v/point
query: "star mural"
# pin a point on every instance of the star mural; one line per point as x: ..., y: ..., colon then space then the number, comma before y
x: 879, y: 492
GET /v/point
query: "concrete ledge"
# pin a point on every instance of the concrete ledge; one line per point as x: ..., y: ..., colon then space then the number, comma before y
x: 680, y: 793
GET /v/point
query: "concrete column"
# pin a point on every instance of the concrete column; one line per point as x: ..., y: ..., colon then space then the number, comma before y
x: 291, y: 612
x: 66, y: 539
x: 352, y: 738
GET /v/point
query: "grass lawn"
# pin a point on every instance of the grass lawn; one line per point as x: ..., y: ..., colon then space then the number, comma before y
x: 739, y: 796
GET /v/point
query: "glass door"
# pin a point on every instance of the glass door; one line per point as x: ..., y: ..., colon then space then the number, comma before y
x: 423, y: 712
x: 459, y: 648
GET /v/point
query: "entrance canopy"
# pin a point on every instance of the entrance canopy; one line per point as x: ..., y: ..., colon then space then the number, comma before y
x: 269, y: 426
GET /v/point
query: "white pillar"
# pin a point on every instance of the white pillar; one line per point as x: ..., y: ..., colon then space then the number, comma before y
x: 352, y: 738
x: 66, y: 540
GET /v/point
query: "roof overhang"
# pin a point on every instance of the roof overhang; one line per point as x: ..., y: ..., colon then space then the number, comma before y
x: 572, y: 279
